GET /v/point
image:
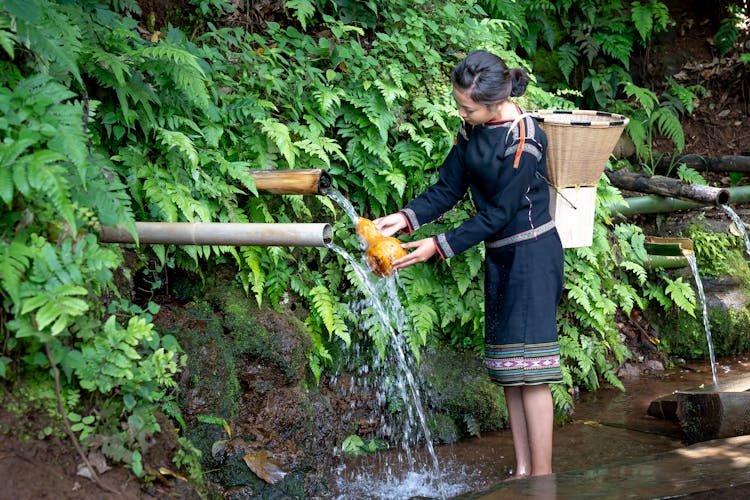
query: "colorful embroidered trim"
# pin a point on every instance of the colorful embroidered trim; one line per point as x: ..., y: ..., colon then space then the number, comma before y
x: 526, y: 235
x: 533, y: 149
x: 519, y: 364
x: 412, y: 223
x: 442, y: 246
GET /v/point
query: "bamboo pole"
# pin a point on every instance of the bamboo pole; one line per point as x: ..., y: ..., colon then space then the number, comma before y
x: 216, y: 233
x: 655, y: 204
x: 310, y: 181
x: 667, y: 186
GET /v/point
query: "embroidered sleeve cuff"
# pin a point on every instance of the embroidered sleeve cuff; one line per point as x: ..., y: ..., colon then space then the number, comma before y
x: 412, y: 224
x: 443, y: 248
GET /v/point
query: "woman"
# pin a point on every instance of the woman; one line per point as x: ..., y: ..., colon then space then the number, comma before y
x: 500, y: 156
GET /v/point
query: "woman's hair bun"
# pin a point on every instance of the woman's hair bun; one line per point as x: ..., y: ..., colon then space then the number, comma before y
x: 519, y: 80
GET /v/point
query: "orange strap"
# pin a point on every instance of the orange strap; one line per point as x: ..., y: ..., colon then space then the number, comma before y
x: 519, y: 151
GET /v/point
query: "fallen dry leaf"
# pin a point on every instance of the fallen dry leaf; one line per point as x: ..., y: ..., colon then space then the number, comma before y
x: 265, y: 467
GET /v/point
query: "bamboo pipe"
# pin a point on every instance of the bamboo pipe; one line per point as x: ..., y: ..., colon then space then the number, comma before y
x: 217, y: 233
x: 310, y: 181
x: 666, y: 261
x: 660, y: 204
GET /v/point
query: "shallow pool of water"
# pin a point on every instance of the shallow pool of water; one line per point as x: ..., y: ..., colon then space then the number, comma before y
x: 607, y: 426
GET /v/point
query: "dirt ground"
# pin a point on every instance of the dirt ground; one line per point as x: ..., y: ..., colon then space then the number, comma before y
x: 720, y: 123
x: 36, y: 469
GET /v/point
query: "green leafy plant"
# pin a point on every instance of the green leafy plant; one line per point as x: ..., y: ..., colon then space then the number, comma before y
x: 650, y: 117
x: 355, y: 445
x: 711, y: 249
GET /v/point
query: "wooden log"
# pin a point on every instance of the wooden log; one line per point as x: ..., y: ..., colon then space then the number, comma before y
x: 726, y: 163
x: 705, y: 415
x: 667, y: 186
x: 665, y: 407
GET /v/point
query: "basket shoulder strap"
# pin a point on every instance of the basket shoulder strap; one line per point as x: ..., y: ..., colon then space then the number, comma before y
x: 519, y: 121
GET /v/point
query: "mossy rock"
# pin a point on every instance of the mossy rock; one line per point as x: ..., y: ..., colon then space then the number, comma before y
x: 209, y: 385
x: 685, y: 336
x: 443, y: 428
x: 280, y: 339
x: 461, y: 389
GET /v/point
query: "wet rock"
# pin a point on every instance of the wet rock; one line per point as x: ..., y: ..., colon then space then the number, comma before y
x: 628, y: 370
x: 654, y: 365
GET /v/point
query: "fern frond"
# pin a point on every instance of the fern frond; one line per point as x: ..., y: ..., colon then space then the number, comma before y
x: 304, y: 10
x: 7, y: 38
x: 51, y: 36
x: 390, y: 92
x: 176, y: 55
x: 472, y: 425
x: 279, y: 134
x: 568, y: 55
x: 646, y: 98
x: 327, y: 98
x: 15, y: 262
x: 637, y: 269
x: 410, y: 155
x: 643, y: 20
x: 433, y: 112
x: 177, y: 140
x: 669, y: 125
x: 423, y: 318
x: 682, y: 294
x: 395, y: 178
x: 619, y: 47
x: 375, y: 109
x: 324, y: 304
x: 690, y: 175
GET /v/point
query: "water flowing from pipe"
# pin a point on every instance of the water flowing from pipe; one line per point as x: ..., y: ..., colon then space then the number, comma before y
x: 389, y: 316
x: 739, y: 225
x: 702, y: 296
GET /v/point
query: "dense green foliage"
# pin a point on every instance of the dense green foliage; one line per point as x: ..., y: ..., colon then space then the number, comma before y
x: 104, y: 123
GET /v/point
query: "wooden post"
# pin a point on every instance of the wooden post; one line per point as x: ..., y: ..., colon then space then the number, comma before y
x: 706, y: 413
x: 712, y: 415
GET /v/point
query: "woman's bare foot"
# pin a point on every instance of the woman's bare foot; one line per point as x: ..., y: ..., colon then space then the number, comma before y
x: 522, y: 475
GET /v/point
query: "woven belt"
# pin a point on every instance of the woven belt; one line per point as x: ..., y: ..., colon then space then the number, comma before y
x: 526, y: 235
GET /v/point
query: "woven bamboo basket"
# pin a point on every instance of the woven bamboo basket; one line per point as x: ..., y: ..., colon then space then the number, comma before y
x: 579, y: 143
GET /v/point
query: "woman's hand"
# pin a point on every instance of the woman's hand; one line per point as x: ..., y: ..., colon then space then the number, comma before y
x: 424, y: 249
x: 390, y: 224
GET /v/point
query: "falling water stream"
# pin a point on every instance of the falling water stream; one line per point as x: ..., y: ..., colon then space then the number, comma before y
x: 702, y: 296
x: 739, y: 225
x: 382, y: 297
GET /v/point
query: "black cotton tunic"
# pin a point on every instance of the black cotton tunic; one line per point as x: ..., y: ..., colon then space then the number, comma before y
x: 505, y: 172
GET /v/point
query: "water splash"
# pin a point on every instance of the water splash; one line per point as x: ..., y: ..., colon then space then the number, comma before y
x: 701, y: 295
x: 739, y: 225
x: 388, y: 322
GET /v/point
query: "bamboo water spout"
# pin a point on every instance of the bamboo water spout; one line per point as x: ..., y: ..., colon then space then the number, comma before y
x: 310, y: 181
x: 217, y: 233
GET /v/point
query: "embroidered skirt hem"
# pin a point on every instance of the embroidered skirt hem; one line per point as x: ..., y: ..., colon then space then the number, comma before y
x: 523, y: 364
